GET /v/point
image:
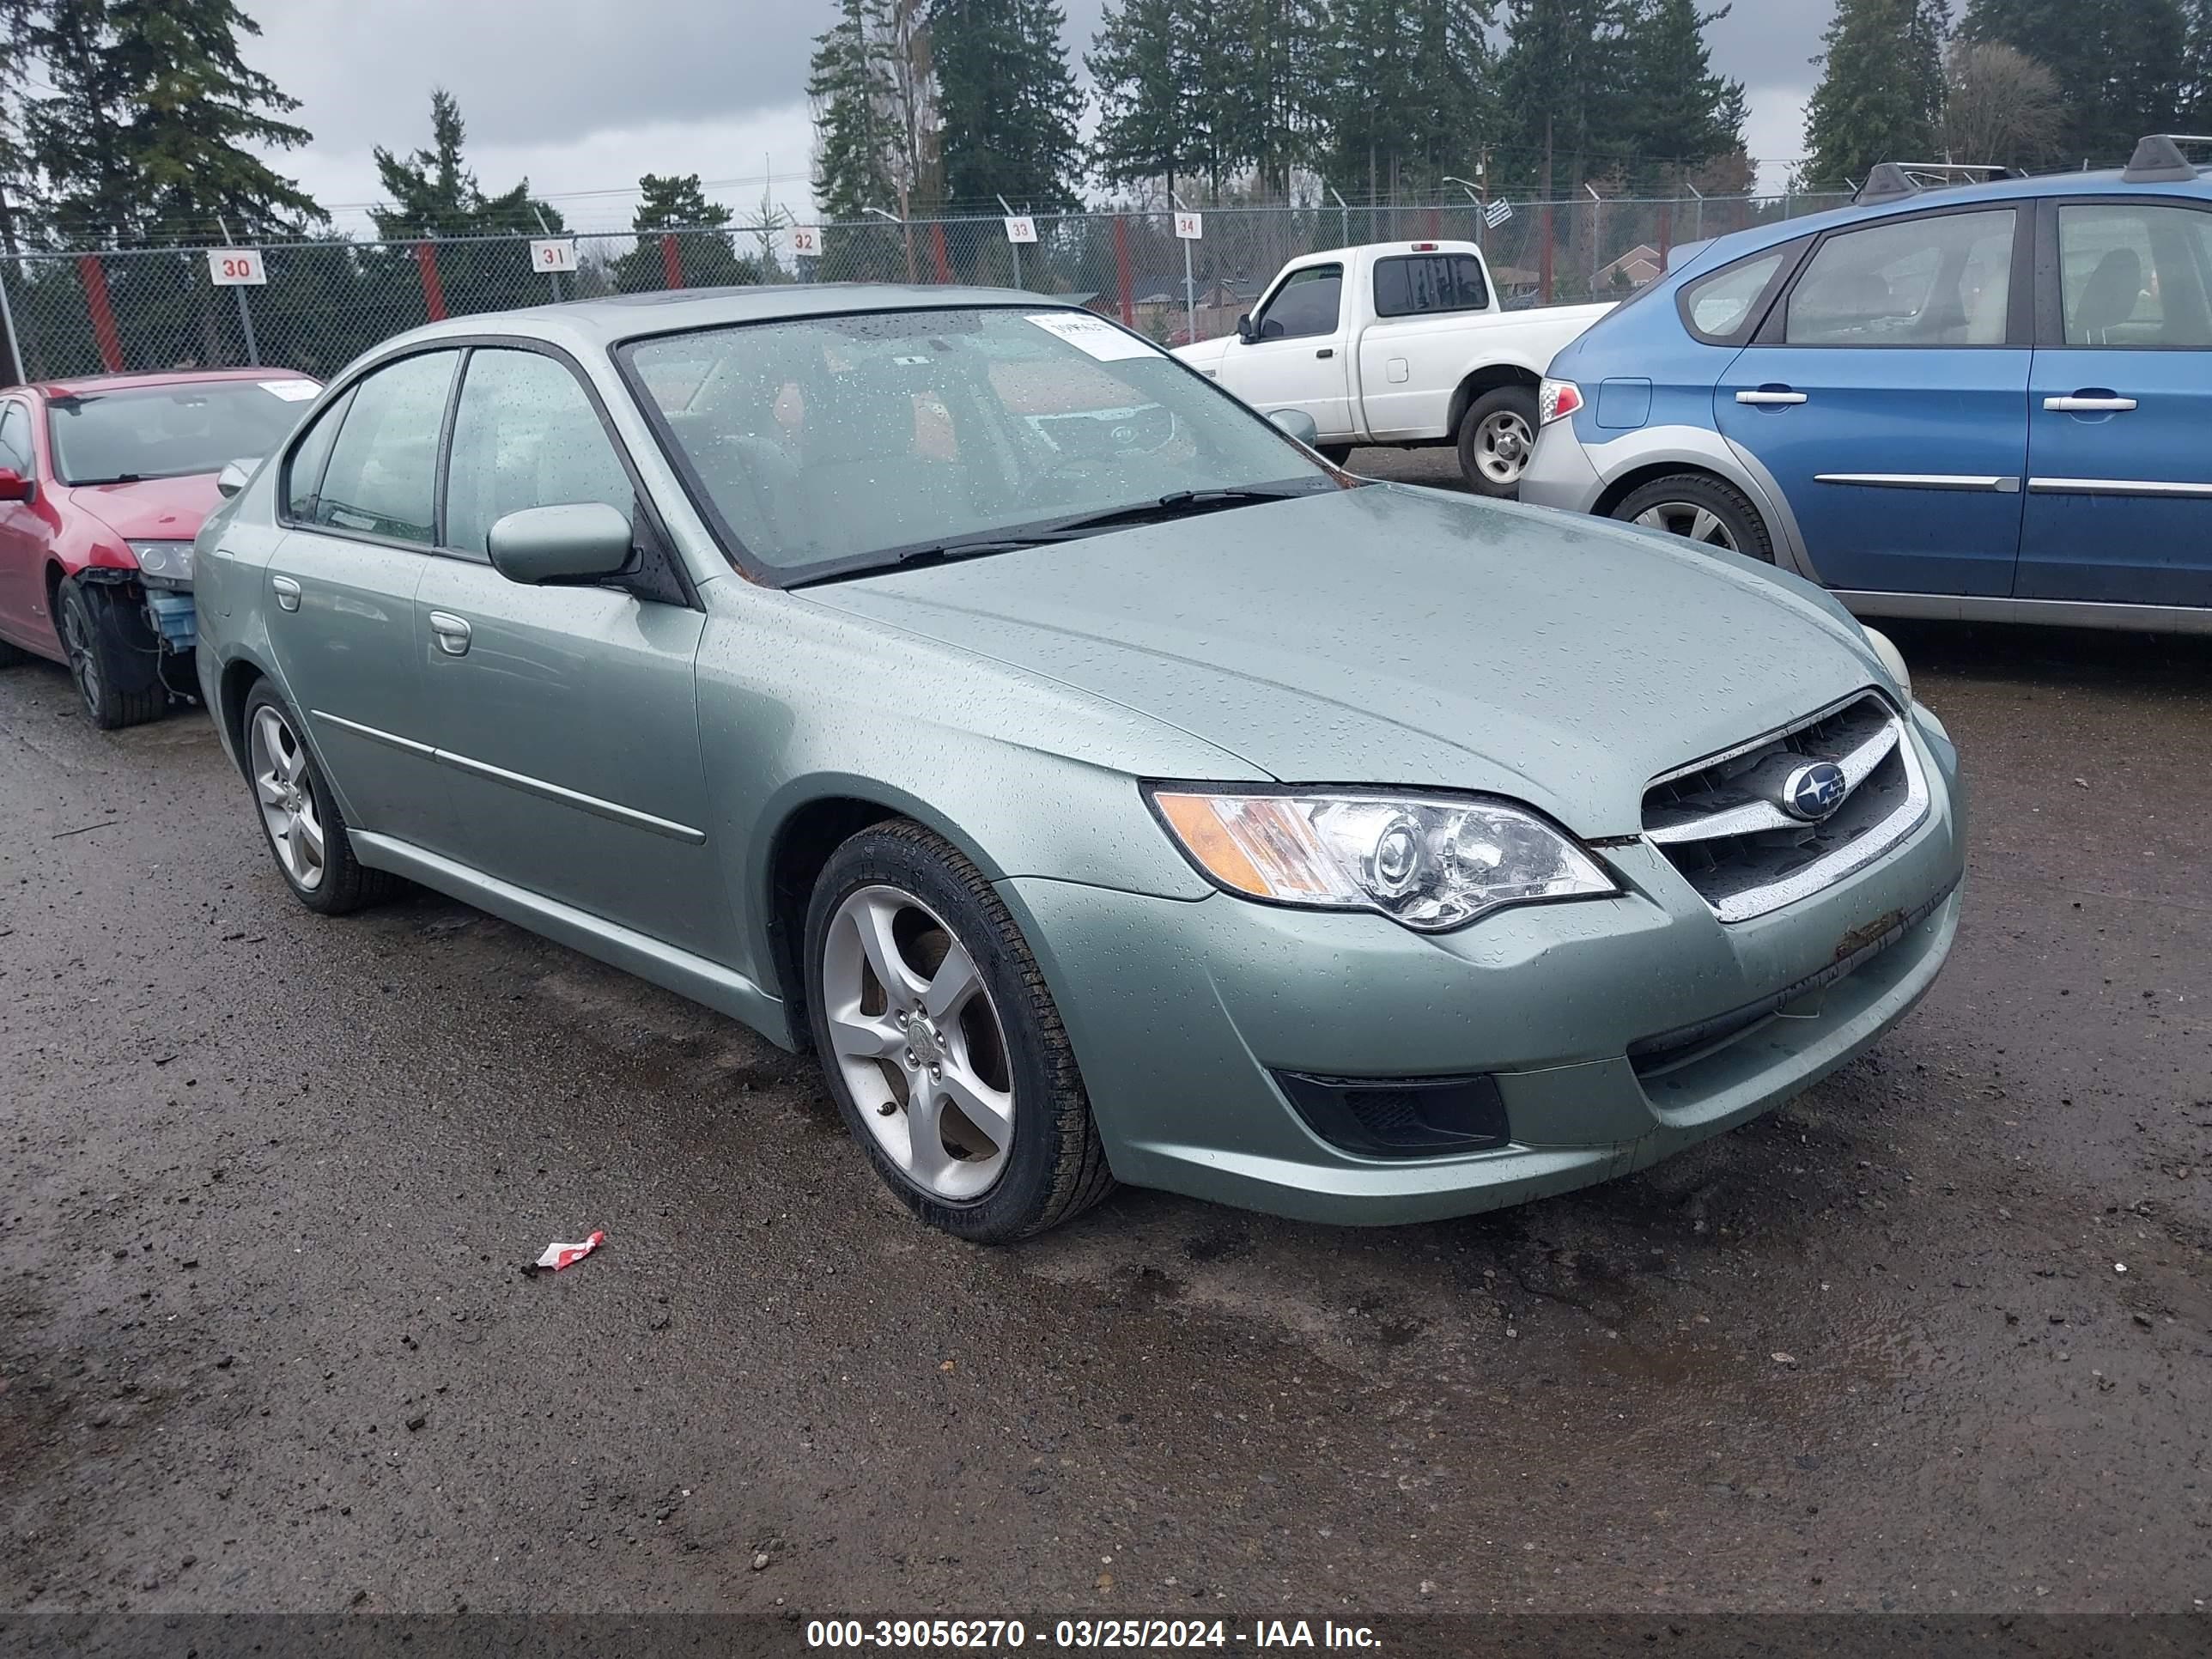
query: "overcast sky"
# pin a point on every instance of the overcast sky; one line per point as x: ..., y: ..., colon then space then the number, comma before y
x: 584, y: 95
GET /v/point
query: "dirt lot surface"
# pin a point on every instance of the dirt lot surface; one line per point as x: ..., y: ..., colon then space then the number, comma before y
x: 1937, y: 1337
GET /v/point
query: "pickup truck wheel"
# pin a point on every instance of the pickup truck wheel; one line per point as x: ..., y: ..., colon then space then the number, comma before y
x: 1699, y: 508
x: 97, y: 640
x: 1335, y: 454
x: 1495, y: 437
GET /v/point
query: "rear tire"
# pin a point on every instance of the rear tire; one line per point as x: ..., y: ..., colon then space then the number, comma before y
x: 1702, y: 508
x: 97, y: 640
x: 1335, y: 454
x: 968, y: 1019
x: 1496, y: 436
x: 299, y: 819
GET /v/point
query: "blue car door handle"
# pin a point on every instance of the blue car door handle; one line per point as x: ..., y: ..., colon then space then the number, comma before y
x: 2084, y: 403
x: 1770, y: 398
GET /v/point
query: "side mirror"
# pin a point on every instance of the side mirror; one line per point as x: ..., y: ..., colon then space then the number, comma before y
x: 1299, y: 424
x: 1244, y: 328
x: 15, y: 487
x: 234, y: 476
x: 584, y: 541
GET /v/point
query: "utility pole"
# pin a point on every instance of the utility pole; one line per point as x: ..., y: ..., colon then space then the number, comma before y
x: 1544, y: 254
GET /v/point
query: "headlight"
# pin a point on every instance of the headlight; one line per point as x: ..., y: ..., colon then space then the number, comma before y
x: 1430, y: 863
x: 167, y: 561
x: 1556, y: 400
x: 1892, y: 658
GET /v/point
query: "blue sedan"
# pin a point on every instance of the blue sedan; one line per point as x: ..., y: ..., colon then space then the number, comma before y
x: 1988, y: 400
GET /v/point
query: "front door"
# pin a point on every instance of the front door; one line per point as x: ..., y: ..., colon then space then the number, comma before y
x: 22, y: 538
x: 1886, y: 393
x: 565, y: 719
x: 1296, y: 356
x: 2119, y: 503
x: 359, y: 491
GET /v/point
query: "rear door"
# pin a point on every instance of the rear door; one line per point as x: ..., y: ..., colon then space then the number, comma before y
x: 1886, y: 393
x: 359, y: 493
x: 1297, y: 356
x: 565, y: 718
x: 2119, y: 503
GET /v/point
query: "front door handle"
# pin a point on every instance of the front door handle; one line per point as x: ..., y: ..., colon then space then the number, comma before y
x: 1766, y: 399
x: 451, y: 632
x: 2083, y: 403
x: 287, y: 592
x: 1326, y: 351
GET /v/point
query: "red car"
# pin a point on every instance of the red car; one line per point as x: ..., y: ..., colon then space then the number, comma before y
x: 104, y: 482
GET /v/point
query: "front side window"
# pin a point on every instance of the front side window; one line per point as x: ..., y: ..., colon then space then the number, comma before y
x: 2135, y: 275
x: 1429, y: 282
x: 382, y: 476
x: 1940, y: 280
x: 171, y: 431
x: 827, y: 440
x: 1718, y: 308
x: 1307, y: 303
x: 525, y: 435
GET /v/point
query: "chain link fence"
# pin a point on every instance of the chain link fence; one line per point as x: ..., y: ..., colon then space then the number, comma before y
x: 324, y: 303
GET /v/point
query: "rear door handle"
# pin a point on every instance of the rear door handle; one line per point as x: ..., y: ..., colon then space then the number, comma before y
x: 2080, y: 404
x: 452, y: 633
x: 287, y: 592
x: 1770, y: 399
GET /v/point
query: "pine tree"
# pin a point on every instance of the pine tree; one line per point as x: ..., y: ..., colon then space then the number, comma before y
x: 1008, y: 103
x: 1141, y: 64
x: 17, y: 179
x: 433, y: 193
x: 1880, y: 93
x: 1562, y: 91
x: 678, y: 205
x: 2120, y: 64
x: 1680, y: 115
x: 848, y: 89
x: 2195, y: 96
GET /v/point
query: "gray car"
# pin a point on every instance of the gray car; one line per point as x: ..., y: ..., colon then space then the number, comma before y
x: 1102, y: 785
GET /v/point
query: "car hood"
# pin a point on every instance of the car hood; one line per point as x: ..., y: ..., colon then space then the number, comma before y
x: 152, y: 509
x: 1394, y: 636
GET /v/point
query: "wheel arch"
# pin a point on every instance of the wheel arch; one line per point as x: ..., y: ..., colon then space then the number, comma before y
x: 239, y: 676
x: 1487, y: 379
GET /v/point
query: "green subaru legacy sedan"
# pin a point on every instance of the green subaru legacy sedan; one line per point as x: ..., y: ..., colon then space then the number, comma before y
x: 1105, y: 788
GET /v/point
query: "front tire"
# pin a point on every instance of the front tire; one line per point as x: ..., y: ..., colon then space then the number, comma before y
x: 1701, y: 509
x: 1496, y: 436
x: 96, y: 641
x: 941, y: 1043
x: 299, y: 819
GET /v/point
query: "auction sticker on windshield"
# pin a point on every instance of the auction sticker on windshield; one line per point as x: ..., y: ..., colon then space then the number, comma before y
x: 1094, y: 335
x: 292, y: 391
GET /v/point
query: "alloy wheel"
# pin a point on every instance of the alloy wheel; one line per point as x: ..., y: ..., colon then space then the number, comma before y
x: 1502, y: 444
x: 279, y: 763
x: 918, y: 1042
x: 1690, y: 521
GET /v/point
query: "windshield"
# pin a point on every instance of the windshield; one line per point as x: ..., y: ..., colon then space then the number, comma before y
x: 171, y: 431
x: 831, y: 443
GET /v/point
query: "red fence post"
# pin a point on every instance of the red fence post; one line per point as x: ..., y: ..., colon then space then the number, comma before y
x: 90, y: 270
x: 1434, y: 220
x: 1121, y: 275
x: 937, y: 252
x: 1544, y: 258
x: 434, y: 291
x: 672, y: 261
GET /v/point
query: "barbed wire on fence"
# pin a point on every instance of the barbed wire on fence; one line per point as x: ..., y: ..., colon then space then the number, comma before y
x: 322, y: 303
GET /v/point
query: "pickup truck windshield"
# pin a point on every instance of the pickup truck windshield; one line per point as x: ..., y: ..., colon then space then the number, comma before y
x: 827, y: 444
x: 171, y: 431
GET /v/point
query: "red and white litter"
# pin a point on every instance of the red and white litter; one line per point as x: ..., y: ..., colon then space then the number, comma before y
x: 558, y: 1255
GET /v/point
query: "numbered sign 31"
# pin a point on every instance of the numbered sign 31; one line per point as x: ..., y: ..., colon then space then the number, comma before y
x: 1191, y: 227
x: 806, y: 242
x: 552, y: 253
x: 236, y: 267
x: 1021, y: 228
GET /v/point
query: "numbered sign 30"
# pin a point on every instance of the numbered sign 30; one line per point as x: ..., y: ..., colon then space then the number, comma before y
x: 1191, y: 227
x: 806, y: 242
x: 1021, y: 228
x: 552, y: 253
x: 236, y: 267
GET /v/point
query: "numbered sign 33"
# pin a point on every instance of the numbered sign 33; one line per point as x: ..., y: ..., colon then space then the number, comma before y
x: 806, y: 242
x: 1021, y: 228
x: 1191, y: 227
x: 552, y: 253
x: 236, y: 267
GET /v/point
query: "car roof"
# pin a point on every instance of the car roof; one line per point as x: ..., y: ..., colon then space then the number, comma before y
x: 86, y: 385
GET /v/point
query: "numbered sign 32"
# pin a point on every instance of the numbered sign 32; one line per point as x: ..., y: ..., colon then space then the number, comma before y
x: 1191, y: 227
x: 552, y: 253
x: 1021, y: 228
x: 236, y: 267
x: 806, y: 242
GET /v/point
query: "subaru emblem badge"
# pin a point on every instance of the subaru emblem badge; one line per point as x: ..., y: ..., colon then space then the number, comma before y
x: 1814, y: 792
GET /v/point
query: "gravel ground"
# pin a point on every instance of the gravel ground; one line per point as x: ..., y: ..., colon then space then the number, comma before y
x: 1936, y: 1337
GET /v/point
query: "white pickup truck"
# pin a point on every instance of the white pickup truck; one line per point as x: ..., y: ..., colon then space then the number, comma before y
x: 1399, y: 343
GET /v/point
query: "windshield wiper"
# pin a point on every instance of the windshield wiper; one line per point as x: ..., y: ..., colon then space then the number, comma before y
x: 120, y: 477
x: 1182, y: 503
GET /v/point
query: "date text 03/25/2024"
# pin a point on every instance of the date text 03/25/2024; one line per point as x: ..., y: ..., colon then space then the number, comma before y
x: 997, y: 1635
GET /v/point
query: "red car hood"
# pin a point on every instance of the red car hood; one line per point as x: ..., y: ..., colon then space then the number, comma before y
x: 153, y: 509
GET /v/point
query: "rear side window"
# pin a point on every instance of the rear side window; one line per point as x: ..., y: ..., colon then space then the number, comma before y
x: 1307, y: 303
x: 1722, y: 308
x: 16, y: 437
x: 1944, y: 280
x: 526, y: 435
x: 1429, y: 282
x: 382, y: 476
x: 2135, y: 275
x: 303, y: 474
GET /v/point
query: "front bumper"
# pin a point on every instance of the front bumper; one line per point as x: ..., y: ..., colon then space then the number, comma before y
x: 1560, y: 473
x: 1182, y: 1013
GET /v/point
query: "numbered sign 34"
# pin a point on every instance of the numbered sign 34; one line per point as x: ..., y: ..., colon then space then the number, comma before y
x: 236, y: 267
x: 806, y: 242
x: 552, y: 253
x: 1191, y: 227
